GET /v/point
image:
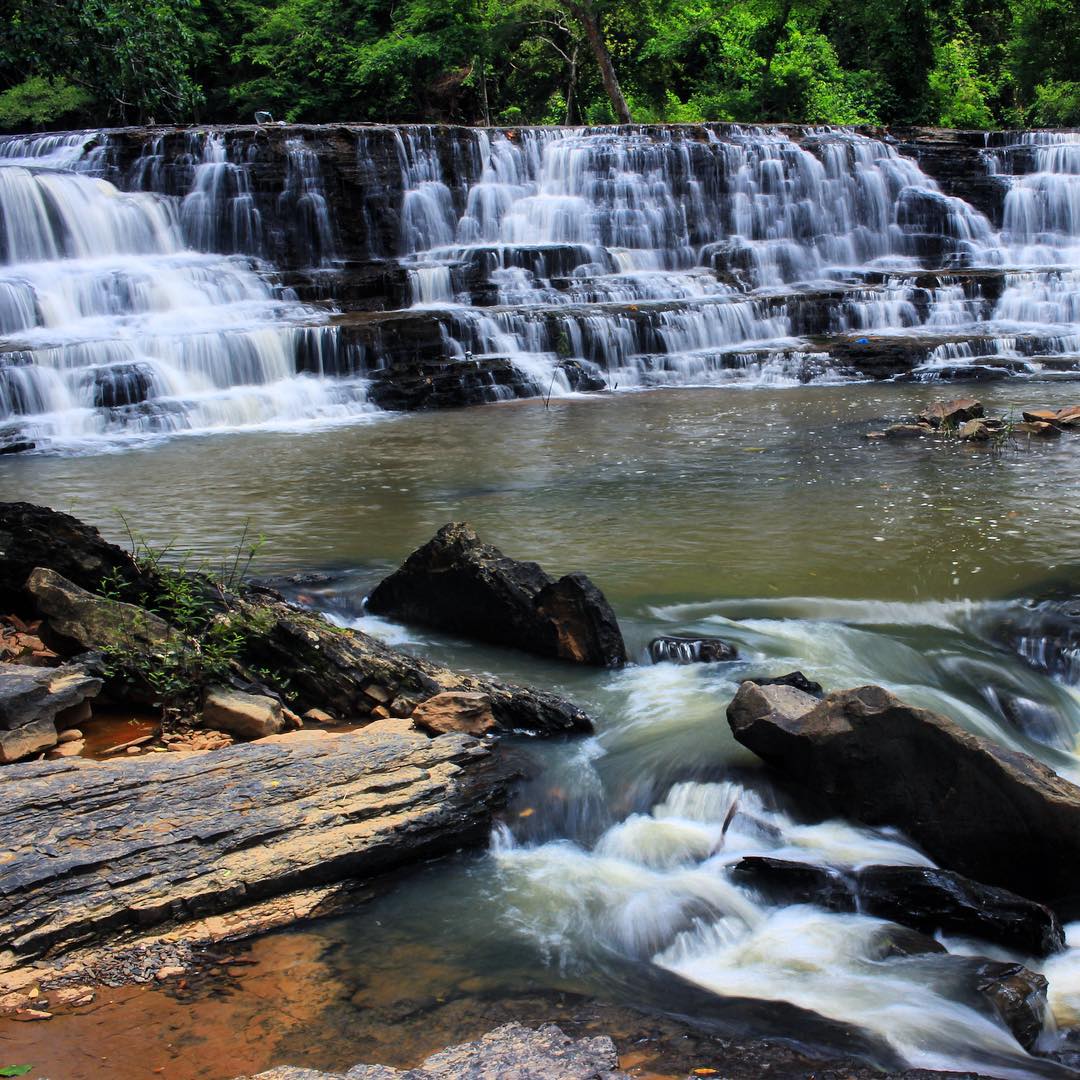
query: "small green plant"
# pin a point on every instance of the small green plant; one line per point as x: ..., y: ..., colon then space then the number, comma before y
x: 1004, y: 436
x: 15, y: 1070
x: 199, y: 606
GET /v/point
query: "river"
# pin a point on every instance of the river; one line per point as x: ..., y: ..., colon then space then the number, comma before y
x: 762, y: 515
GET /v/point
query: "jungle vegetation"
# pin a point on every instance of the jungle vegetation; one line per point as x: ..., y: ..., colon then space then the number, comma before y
x: 954, y: 63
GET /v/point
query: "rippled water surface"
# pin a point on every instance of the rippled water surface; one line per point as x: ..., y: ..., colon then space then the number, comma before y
x: 761, y: 515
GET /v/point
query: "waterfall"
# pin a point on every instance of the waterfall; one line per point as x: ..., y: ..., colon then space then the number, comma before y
x: 167, y: 290
x: 122, y: 319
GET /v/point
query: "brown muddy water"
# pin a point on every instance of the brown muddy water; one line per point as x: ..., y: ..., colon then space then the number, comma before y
x: 761, y: 515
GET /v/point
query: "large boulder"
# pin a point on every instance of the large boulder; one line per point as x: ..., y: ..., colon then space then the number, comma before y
x: 32, y: 536
x: 457, y: 584
x: 995, y: 815
x: 921, y: 897
x: 30, y: 700
x: 94, y: 849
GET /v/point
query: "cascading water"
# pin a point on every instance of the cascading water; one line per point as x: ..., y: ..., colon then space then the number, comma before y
x: 118, y: 321
x: 623, y: 257
x: 659, y: 259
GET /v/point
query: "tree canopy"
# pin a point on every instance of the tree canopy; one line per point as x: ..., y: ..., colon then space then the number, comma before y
x: 957, y: 63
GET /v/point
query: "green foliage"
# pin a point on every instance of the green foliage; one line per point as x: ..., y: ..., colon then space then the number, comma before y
x: 959, y: 93
x: 968, y: 63
x: 197, y: 604
x: 1057, y: 104
x: 16, y: 1070
x: 130, y: 58
x: 39, y: 101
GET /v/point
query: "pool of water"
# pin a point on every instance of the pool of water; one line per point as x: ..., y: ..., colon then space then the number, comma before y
x: 763, y: 516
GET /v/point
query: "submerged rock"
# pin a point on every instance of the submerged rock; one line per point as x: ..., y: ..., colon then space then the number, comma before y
x: 512, y: 1050
x: 1045, y: 635
x: 690, y: 650
x: 995, y: 815
x: 923, y: 898
x: 457, y: 584
x: 135, y: 843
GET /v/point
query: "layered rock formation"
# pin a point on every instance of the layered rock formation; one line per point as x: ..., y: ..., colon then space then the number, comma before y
x: 420, y: 267
x: 95, y: 849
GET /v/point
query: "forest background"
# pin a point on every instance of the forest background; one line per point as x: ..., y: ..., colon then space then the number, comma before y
x: 953, y: 63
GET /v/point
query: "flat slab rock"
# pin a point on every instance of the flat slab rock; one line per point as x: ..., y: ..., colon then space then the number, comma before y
x: 512, y: 1050
x: 95, y: 849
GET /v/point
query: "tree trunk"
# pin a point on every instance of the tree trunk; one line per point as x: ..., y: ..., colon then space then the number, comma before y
x: 584, y: 13
x: 570, y: 87
x: 483, y: 91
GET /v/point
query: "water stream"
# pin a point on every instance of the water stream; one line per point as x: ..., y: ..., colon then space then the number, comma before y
x: 762, y: 516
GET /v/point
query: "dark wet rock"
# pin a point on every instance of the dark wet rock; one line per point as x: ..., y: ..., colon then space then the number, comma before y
x: 1017, y: 995
x: 96, y: 848
x: 952, y: 413
x: 457, y: 584
x: 352, y: 675
x: 582, y: 375
x: 781, y: 881
x: 32, y: 536
x: 31, y: 698
x: 954, y: 373
x: 1045, y: 634
x: 896, y: 940
x: 795, y: 679
x: 931, y: 900
x: 509, y: 1051
x: 923, y: 898
x: 992, y: 814
x: 16, y: 446
x: 690, y: 650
